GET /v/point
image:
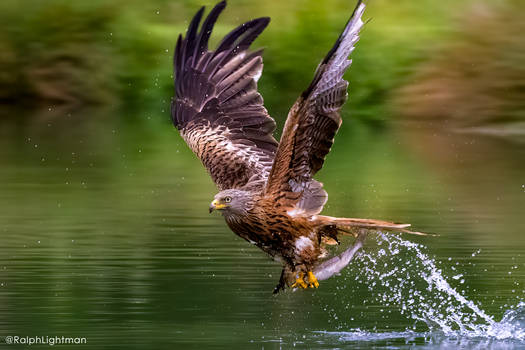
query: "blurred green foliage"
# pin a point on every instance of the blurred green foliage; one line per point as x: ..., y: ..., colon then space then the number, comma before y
x: 105, y: 229
x: 477, y: 79
x: 95, y: 52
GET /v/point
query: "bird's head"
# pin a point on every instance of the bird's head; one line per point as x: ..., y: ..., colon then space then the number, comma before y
x: 232, y: 202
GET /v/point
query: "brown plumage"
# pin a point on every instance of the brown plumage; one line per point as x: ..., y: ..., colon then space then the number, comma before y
x: 268, y: 194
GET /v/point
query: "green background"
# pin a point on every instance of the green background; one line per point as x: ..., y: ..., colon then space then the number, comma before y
x: 104, y: 229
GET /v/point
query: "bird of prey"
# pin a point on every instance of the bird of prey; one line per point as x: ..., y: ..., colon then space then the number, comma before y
x: 268, y: 195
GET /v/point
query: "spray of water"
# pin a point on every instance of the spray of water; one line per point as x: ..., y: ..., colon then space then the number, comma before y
x: 417, y: 285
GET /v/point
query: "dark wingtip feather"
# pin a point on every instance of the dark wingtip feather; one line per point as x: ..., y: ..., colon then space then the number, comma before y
x: 246, y: 33
x: 176, y: 55
x: 185, y: 45
x: 349, y: 24
x: 192, y: 29
x: 260, y: 24
x: 342, y: 35
x: 205, y: 32
x: 265, y: 20
x: 195, y: 43
x: 194, y: 24
x: 238, y: 40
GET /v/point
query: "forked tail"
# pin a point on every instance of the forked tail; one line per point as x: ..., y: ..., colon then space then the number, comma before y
x: 332, y: 226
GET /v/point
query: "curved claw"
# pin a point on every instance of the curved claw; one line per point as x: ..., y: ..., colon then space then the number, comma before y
x: 312, y: 280
x: 299, y: 282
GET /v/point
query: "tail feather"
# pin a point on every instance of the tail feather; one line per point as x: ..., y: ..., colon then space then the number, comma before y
x: 352, y: 226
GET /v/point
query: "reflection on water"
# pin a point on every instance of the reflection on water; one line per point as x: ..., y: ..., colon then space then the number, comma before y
x: 105, y: 235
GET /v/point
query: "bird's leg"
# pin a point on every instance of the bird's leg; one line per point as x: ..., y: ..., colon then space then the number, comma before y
x: 299, y: 282
x: 312, y: 280
x: 281, y: 284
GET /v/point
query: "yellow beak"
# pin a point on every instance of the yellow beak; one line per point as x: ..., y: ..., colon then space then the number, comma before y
x: 216, y: 205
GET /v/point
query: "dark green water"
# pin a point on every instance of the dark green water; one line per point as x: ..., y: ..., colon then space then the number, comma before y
x: 105, y: 234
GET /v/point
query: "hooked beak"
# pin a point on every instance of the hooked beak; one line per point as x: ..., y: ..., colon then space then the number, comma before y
x: 216, y: 205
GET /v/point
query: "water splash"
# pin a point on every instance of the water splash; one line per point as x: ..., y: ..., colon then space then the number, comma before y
x: 417, y: 285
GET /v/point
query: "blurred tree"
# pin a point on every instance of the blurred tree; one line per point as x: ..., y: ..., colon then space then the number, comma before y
x: 119, y: 52
x: 476, y: 79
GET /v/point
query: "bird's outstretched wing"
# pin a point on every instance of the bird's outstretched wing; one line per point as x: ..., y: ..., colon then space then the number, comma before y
x: 311, y: 126
x: 217, y: 108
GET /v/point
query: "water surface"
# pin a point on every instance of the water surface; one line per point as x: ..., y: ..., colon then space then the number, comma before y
x: 105, y: 234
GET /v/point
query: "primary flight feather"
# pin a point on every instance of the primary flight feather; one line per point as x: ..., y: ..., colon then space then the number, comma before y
x: 267, y: 192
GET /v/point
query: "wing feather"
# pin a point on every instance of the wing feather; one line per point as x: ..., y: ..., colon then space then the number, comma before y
x: 217, y: 107
x: 311, y: 126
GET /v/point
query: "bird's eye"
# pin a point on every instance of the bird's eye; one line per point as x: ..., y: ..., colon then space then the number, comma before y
x: 227, y: 199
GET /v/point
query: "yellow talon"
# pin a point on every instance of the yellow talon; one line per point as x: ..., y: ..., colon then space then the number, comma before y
x: 299, y: 282
x: 312, y: 281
